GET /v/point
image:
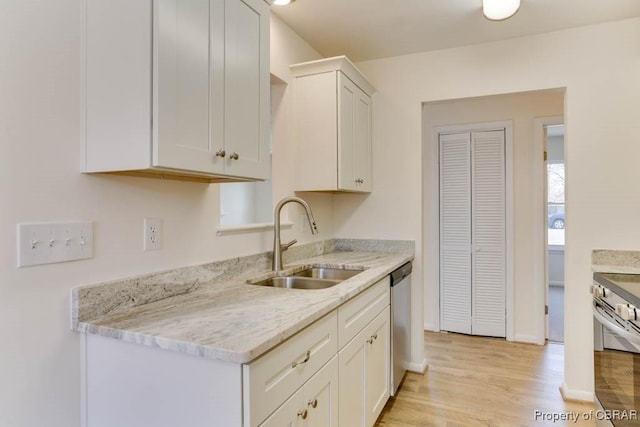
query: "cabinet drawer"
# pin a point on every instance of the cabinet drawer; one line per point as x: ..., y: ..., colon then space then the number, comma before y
x: 359, y: 311
x: 269, y: 380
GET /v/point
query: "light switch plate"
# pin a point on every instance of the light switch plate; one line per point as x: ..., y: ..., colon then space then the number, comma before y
x: 53, y: 242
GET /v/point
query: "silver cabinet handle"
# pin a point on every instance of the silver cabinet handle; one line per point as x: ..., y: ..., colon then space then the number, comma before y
x: 234, y: 156
x: 306, y: 359
x: 372, y: 338
x: 360, y: 181
x: 313, y: 403
x: 221, y: 153
x: 303, y: 414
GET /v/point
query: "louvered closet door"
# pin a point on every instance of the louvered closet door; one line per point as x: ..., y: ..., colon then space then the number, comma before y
x: 488, y: 275
x: 455, y: 232
x: 472, y: 233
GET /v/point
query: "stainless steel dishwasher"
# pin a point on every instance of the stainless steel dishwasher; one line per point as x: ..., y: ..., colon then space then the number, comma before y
x: 400, y: 324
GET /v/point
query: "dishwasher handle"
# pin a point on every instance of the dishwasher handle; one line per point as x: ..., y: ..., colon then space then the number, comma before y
x: 400, y: 273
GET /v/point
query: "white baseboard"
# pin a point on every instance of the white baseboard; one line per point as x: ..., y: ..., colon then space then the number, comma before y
x: 530, y: 339
x: 418, y: 367
x: 575, y: 395
x: 430, y: 327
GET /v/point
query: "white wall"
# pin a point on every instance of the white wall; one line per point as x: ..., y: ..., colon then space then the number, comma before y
x: 39, y: 164
x: 288, y: 48
x: 599, y: 66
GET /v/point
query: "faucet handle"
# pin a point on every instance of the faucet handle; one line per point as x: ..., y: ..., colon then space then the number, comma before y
x: 286, y: 246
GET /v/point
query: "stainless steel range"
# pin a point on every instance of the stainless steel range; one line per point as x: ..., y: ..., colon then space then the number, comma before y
x: 616, y: 312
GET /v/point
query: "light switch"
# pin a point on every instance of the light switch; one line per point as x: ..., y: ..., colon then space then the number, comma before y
x: 48, y: 243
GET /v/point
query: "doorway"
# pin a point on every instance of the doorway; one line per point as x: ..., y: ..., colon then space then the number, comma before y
x: 525, y: 211
x: 555, y: 228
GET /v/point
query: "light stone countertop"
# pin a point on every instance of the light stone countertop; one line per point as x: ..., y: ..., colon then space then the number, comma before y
x: 615, y: 261
x: 231, y: 320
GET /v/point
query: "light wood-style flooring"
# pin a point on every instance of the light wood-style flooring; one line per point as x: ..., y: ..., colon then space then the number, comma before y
x: 478, y: 381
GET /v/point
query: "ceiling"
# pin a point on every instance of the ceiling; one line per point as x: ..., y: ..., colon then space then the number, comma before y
x: 372, y: 29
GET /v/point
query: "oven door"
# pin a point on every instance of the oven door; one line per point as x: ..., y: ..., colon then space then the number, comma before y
x: 616, y: 368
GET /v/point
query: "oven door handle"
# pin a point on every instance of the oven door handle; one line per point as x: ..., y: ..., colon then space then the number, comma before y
x: 632, y: 338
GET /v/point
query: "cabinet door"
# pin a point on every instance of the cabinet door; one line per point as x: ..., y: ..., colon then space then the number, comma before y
x: 352, y: 382
x: 377, y: 367
x: 364, y: 374
x: 247, y: 88
x: 185, y: 32
x: 354, y: 137
x: 321, y: 397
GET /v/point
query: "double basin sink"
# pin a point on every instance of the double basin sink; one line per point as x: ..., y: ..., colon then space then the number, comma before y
x: 310, y: 278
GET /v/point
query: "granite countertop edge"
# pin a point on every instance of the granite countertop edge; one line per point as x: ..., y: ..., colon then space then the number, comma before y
x: 154, y: 324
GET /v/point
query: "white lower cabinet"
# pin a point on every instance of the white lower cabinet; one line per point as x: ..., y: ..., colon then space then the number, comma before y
x: 333, y: 372
x: 315, y: 404
x: 350, y: 390
x: 364, y: 374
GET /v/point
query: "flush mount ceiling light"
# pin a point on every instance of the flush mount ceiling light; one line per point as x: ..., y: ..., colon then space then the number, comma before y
x: 498, y: 10
x: 283, y: 2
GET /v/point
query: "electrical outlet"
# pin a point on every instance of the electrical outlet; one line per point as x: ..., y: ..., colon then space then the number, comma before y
x: 152, y: 234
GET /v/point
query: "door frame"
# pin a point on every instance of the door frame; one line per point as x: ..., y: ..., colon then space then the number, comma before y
x: 507, y: 125
x: 539, y: 233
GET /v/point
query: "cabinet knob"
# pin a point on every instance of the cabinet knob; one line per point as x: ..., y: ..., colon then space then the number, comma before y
x: 313, y: 403
x: 360, y: 181
x: 303, y: 414
x: 234, y: 156
x: 221, y: 153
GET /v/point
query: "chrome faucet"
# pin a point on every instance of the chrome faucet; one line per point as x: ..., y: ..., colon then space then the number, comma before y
x: 278, y: 248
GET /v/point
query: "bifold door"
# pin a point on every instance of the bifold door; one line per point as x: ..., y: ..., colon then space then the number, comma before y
x: 472, y: 233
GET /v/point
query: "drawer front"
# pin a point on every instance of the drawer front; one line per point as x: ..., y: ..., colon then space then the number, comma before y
x: 362, y: 309
x: 272, y: 378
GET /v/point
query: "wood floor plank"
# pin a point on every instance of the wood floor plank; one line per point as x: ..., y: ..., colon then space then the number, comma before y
x: 479, y: 381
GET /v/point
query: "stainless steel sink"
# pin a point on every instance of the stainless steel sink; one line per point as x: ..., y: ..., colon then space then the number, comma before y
x: 328, y: 273
x: 296, y: 282
x: 311, y: 278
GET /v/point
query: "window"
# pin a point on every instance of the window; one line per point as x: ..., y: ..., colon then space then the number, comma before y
x: 243, y: 203
x: 555, y: 185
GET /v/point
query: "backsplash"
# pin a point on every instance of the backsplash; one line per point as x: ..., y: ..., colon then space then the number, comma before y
x: 94, y: 301
x: 615, y: 261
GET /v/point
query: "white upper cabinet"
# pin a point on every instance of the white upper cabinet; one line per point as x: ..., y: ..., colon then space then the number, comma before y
x: 332, y: 110
x: 177, y: 88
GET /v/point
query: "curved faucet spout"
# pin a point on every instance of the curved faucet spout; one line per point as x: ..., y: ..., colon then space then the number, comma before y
x: 278, y: 248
